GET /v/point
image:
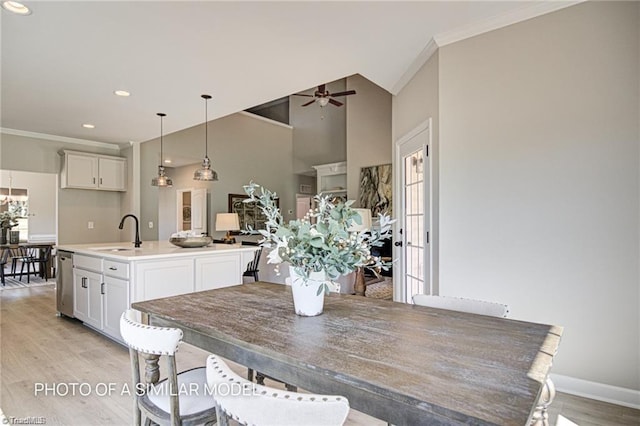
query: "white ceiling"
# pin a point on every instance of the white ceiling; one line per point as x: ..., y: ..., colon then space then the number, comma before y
x: 61, y: 64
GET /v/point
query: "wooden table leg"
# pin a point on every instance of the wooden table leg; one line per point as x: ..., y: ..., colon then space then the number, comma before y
x: 540, y: 414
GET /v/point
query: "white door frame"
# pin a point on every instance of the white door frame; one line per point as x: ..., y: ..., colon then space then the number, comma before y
x: 399, y: 287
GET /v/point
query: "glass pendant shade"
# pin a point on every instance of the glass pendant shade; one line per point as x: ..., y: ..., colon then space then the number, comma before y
x: 206, y: 173
x: 162, y: 179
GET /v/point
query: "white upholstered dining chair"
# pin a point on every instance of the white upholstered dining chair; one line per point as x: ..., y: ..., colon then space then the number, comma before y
x: 251, y: 404
x: 164, y: 402
x: 460, y: 304
x: 540, y: 415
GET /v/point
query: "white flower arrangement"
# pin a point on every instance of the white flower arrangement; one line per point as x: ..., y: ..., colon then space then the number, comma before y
x: 322, y: 240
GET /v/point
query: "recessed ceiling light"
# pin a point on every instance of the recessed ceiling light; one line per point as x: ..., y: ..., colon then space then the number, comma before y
x: 89, y: 126
x: 167, y: 161
x: 122, y: 93
x: 16, y: 7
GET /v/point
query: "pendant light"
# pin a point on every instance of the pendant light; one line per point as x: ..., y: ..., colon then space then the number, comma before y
x: 161, y: 179
x: 206, y: 173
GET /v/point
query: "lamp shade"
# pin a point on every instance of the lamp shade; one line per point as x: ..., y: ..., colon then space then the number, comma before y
x: 227, y: 222
x: 365, y: 217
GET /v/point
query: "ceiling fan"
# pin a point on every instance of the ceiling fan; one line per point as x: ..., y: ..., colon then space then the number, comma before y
x: 323, y: 97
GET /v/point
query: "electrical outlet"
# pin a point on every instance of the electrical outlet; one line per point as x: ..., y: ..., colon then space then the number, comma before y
x: 150, y: 224
x: 90, y: 225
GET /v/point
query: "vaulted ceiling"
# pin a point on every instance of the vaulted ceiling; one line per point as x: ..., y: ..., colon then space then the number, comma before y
x: 62, y: 63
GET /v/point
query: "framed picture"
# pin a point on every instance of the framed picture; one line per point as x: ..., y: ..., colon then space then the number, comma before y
x: 249, y: 214
x: 376, y: 189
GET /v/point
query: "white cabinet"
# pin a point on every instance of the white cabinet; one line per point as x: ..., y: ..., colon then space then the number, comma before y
x: 163, y: 278
x: 80, y: 295
x: 218, y: 271
x: 332, y: 179
x: 81, y: 171
x: 112, y: 174
x: 93, y: 171
x: 115, y: 302
x: 100, y: 296
x: 87, y: 305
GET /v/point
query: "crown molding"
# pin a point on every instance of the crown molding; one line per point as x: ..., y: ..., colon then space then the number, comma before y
x: 44, y: 136
x: 502, y: 20
x: 415, y: 66
x: 475, y: 29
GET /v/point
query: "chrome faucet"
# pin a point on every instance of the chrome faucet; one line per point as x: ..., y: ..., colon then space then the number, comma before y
x: 137, y: 242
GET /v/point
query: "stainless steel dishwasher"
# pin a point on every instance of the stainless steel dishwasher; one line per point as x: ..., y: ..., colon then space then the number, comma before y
x: 64, y: 280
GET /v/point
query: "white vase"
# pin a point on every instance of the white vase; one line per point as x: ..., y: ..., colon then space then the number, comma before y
x: 306, y: 300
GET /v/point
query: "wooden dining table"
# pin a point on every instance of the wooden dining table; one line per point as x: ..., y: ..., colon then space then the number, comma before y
x: 405, y: 364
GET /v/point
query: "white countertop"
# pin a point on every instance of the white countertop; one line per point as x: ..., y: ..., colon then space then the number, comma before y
x: 149, y: 250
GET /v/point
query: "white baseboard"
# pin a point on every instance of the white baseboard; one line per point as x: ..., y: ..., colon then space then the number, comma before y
x: 598, y: 391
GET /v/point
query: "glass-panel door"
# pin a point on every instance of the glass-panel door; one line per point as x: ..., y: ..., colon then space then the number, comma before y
x: 414, y: 223
x: 412, y: 230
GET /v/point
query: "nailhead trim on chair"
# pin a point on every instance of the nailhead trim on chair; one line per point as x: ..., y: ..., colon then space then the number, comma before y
x: 151, y: 327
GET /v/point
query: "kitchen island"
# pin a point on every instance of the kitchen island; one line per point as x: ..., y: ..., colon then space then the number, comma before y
x: 108, y: 277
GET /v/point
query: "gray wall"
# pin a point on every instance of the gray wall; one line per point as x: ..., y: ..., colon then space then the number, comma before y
x: 319, y: 132
x: 539, y: 167
x: 76, y: 207
x: 242, y: 148
x: 368, y: 130
x: 417, y: 102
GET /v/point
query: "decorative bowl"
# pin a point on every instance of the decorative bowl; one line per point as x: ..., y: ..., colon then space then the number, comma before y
x: 191, y: 242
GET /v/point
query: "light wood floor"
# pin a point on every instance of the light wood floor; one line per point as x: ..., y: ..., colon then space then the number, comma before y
x: 37, y: 347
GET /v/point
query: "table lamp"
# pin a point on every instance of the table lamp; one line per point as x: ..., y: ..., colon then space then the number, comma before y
x: 365, y: 217
x: 228, y: 222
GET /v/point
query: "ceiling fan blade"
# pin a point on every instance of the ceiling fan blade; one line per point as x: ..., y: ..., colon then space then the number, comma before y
x: 345, y: 93
x: 322, y: 88
x: 308, y: 103
x: 334, y: 102
x: 303, y: 94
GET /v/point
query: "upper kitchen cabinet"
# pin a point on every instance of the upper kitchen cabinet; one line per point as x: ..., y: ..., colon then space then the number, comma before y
x: 83, y: 170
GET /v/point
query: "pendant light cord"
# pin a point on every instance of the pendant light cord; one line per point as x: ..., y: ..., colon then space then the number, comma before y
x: 206, y: 124
x: 161, y: 115
x: 161, y: 154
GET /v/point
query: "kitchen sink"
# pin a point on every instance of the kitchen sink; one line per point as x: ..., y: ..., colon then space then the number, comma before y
x: 112, y: 248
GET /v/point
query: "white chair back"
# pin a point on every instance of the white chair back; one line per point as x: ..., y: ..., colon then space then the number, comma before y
x: 163, y: 402
x: 253, y: 404
x: 146, y: 338
x: 459, y: 304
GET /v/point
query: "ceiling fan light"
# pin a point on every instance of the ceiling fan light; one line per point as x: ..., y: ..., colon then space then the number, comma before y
x: 323, y: 101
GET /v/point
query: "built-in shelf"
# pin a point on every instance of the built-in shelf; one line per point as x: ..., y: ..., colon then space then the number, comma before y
x: 332, y: 178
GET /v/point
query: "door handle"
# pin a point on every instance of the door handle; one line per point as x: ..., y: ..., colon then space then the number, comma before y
x: 398, y: 244
x: 101, y: 288
x: 84, y: 282
x: 112, y: 268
